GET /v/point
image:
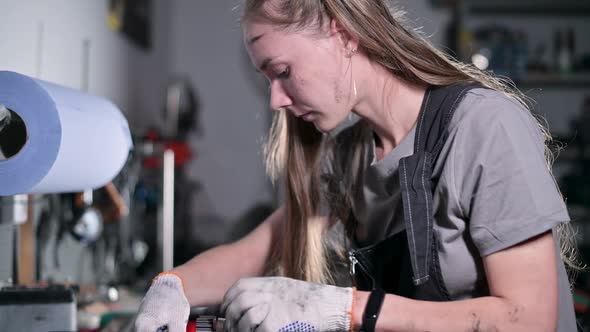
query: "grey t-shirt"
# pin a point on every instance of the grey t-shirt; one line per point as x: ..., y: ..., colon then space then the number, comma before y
x: 494, y: 191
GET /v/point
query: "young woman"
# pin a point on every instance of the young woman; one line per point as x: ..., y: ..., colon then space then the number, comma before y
x: 480, y: 251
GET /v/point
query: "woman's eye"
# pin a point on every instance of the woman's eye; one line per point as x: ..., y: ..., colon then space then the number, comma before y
x: 284, y: 74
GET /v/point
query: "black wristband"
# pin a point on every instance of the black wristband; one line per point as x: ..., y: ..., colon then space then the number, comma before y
x: 372, y: 310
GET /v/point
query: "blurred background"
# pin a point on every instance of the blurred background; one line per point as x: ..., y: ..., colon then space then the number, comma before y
x: 178, y: 71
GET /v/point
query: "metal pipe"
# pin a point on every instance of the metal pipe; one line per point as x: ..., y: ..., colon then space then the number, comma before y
x: 166, y: 220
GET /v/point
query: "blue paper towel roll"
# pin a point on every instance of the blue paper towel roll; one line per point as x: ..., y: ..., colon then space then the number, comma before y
x: 75, y: 141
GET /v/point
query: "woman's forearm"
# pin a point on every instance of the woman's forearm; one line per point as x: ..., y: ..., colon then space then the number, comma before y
x: 207, y: 276
x: 481, y: 314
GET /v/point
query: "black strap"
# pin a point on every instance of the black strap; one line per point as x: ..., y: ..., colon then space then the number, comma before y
x: 436, y: 113
x: 372, y: 310
x: 416, y: 172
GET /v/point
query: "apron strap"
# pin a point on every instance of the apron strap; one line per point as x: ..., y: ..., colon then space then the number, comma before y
x: 415, y: 172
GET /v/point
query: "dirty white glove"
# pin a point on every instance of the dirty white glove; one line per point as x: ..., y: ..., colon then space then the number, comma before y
x: 164, y: 306
x: 277, y: 304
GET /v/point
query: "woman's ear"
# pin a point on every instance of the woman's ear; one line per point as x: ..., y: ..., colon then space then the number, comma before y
x: 349, y: 42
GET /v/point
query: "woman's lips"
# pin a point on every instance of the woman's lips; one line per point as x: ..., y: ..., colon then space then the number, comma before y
x: 308, y: 116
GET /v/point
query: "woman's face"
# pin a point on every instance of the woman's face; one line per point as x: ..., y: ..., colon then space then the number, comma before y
x: 309, y: 72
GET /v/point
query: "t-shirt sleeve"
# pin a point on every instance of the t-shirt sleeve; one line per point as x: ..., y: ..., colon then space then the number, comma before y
x: 503, y: 184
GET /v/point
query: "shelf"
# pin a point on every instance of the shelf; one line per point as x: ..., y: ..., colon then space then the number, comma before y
x: 581, y: 80
x: 529, y: 7
x: 519, y: 7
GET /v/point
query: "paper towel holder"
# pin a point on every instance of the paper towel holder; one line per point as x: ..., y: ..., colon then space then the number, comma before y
x: 13, y: 133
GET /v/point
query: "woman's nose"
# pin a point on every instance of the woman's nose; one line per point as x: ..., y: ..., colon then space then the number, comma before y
x: 279, y: 99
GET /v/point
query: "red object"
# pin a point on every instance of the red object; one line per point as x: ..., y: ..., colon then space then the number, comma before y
x: 152, y: 135
x: 182, y: 152
x: 191, y: 326
x: 182, y: 155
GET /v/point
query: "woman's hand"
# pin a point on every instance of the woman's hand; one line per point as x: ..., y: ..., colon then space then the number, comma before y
x: 283, y: 304
x: 164, y: 307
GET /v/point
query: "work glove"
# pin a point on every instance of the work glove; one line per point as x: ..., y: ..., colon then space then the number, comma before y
x: 277, y: 304
x: 164, y: 306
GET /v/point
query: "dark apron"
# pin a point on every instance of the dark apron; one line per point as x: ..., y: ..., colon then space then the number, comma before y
x: 407, y: 263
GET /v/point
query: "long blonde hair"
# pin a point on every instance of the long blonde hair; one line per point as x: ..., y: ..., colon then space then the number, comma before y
x: 294, y: 147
